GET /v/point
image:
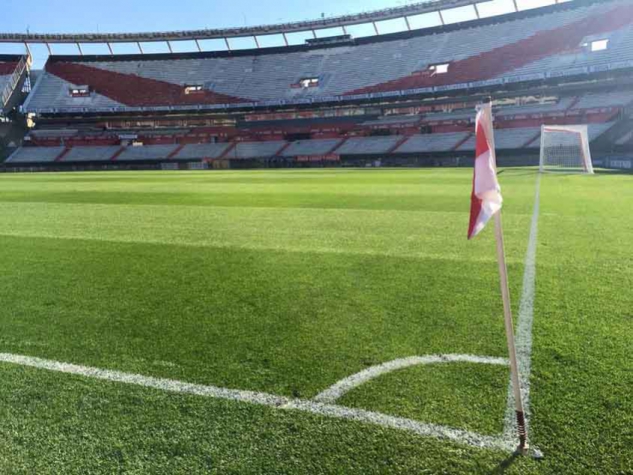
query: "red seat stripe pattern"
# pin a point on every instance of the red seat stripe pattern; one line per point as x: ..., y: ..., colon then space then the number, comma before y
x: 132, y: 90
x: 509, y: 57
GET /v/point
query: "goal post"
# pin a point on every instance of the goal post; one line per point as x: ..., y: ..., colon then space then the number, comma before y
x: 565, y: 148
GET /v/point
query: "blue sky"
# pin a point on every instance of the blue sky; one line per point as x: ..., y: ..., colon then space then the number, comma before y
x: 69, y: 16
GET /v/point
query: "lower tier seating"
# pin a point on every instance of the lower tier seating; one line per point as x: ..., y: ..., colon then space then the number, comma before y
x: 505, y: 139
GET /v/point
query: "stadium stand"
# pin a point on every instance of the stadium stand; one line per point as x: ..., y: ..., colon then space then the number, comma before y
x: 508, y: 139
x: 90, y: 153
x: 433, y: 142
x: 256, y: 149
x: 367, y: 145
x: 510, y: 49
x: 13, y: 71
x: 408, y: 97
x: 147, y: 152
x: 310, y: 147
x: 36, y: 154
x: 201, y: 151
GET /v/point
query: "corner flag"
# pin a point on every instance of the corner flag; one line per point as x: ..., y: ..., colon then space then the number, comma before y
x: 486, y: 203
x: 486, y: 198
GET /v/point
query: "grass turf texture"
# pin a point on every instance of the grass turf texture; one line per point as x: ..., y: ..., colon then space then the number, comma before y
x: 286, y: 282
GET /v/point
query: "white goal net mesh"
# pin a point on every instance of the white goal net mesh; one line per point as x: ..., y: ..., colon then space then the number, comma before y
x: 565, y: 148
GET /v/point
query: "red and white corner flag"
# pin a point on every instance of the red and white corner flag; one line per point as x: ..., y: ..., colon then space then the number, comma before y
x: 486, y: 203
x: 486, y: 196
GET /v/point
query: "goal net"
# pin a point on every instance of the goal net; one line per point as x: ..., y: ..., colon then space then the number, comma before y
x: 565, y: 148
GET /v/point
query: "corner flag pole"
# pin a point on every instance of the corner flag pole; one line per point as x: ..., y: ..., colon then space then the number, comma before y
x: 507, y: 310
x: 486, y: 202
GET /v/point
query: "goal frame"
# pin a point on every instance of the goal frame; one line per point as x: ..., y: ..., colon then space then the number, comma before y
x: 581, y: 132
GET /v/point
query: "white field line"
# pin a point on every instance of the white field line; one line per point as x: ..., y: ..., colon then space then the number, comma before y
x: 343, y: 386
x: 524, y: 326
x: 271, y: 400
x: 505, y: 443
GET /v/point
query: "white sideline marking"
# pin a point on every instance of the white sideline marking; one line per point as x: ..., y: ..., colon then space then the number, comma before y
x: 319, y: 405
x: 524, y: 326
x: 264, y: 399
x: 343, y: 386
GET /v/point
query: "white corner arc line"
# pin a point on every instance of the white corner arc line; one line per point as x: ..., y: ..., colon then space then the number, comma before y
x: 271, y: 400
x: 524, y: 325
x: 345, y: 385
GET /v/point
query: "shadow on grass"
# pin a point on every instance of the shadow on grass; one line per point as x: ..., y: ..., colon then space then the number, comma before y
x: 505, y: 464
x: 611, y: 172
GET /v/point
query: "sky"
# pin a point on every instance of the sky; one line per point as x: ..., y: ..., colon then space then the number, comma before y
x: 75, y: 16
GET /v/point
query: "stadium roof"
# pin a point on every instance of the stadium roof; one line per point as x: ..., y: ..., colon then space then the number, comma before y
x: 401, y: 12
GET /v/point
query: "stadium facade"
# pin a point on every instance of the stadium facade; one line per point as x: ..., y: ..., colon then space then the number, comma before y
x: 402, y: 99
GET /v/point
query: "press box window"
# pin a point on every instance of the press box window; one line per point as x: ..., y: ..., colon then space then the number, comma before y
x: 599, y: 45
x: 80, y: 91
x: 439, y: 68
x: 309, y: 82
x: 193, y: 88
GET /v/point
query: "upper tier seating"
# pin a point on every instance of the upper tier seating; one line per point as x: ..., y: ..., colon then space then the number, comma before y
x: 35, y: 154
x: 515, y: 48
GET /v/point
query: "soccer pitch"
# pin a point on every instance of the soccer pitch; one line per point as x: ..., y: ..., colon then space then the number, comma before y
x: 236, y: 322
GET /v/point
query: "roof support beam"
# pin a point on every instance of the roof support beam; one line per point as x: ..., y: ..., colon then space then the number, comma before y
x: 81, y: 52
x: 48, y: 47
x: 110, y: 49
x: 375, y: 27
x: 169, y: 47
x: 285, y: 38
x: 198, y: 46
x: 256, y: 41
x: 476, y: 11
x: 140, y: 48
x: 228, y: 45
x: 516, y: 6
x: 439, y: 12
x: 406, y: 20
x: 28, y: 48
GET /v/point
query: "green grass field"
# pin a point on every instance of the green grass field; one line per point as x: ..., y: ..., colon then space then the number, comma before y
x: 286, y: 282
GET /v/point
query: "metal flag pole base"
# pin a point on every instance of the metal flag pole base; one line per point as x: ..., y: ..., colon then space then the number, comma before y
x: 527, y: 451
x: 523, y: 444
x: 507, y: 311
x: 523, y: 450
